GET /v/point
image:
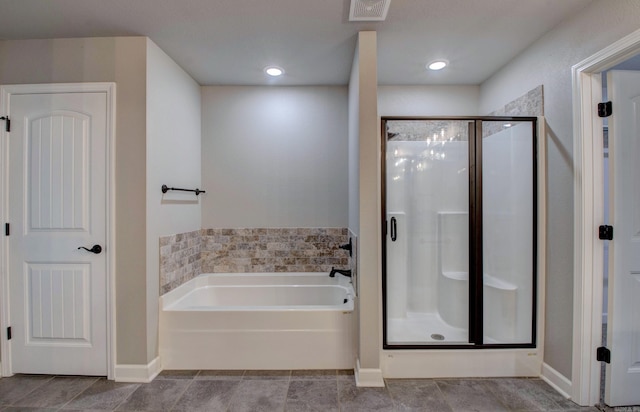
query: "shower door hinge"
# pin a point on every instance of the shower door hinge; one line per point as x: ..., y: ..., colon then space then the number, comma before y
x: 603, y: 354
x: 605, y: 109
x: 9, y: 333
x: 605, y: 232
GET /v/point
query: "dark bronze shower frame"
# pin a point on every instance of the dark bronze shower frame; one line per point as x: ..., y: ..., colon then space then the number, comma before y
x: 476, y: 326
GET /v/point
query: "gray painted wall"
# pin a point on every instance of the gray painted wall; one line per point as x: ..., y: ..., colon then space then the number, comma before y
x: 121, y: 60
x: 548, y: 62
x: 149, y: 148
x: 274, y: 156
x: 173, y: 158
x: 428, y: 100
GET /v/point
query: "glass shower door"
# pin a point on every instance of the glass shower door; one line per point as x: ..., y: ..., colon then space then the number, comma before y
x: 426, y: 283
x: 508, y: 238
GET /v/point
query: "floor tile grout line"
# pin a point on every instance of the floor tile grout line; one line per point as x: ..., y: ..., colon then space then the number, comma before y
x: 446, y: 399
x: 126, y: 398
x: 193, y: 379
x: 557, y: 406
x: 81, y: 392
x: 494, y: 395
x: 47, y: 381
x: 44, y: 381
x: 393, y: 399
x: 286, y: 397
x: 553, y: 401
x: 286, y: 393
x: 338, y: 392
x: 236, y: 388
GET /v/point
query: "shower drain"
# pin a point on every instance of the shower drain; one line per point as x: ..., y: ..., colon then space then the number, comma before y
x: 437, y: 336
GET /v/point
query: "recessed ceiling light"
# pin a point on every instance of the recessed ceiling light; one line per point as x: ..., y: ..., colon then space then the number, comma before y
x: 274, y: 71
x: 437, y: 65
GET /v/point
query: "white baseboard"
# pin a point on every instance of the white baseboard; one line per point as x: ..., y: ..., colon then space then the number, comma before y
x: 556, y: 380
x: 138, y: 373
x: 368, y: 377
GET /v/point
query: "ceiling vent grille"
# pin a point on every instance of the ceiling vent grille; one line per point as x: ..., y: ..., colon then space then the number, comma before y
x: 369, y: 10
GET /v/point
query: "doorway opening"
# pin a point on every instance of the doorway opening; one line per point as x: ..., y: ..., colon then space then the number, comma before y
x: 589, y: 214
x: 632, y: 64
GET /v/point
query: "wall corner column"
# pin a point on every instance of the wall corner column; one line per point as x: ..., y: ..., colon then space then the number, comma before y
x: 368, y: 371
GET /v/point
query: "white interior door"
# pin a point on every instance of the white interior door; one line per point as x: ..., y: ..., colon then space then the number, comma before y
x: 57, y: 202
x: 623, y: 335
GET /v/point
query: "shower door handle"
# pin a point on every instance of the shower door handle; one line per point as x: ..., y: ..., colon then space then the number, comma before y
x: 394, y: 229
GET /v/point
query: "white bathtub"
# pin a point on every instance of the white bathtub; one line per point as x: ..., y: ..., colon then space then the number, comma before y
x: 258, y: 321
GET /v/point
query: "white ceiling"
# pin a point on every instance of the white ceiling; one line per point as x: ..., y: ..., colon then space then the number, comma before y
x: 231, y: 41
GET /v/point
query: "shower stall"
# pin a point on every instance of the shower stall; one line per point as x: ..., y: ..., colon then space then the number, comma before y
x: 459, y: 245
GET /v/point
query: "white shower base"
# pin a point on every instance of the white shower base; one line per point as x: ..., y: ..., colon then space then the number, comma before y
x: 417, y: 328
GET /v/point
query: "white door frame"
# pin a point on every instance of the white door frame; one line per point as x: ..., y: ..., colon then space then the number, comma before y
x: 5, y: 98
x: 588, y: 212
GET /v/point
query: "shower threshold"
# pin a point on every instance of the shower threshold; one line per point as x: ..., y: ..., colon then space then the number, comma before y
x: 424, y: 328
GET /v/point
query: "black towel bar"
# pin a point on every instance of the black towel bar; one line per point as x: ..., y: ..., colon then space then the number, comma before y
x: 166, y: 188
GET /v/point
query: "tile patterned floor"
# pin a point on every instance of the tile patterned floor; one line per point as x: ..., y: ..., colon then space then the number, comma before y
x: 271, y: 391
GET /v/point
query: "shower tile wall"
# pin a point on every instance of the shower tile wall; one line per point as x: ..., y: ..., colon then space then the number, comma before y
x: 529, y: 104
x: 180, y: 259
x: 186, y: 255
x: 273, y: 250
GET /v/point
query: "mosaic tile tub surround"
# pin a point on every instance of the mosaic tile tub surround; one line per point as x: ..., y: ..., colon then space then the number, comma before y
x: 273, y: 250
x: 180, y: 259
x: 249, y: 250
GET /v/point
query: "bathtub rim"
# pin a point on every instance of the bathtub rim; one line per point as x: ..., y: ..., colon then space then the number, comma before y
x: 207, y: 280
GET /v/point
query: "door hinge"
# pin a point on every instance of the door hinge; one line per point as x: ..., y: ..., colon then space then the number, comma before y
x: 605, y: 232
x: 9, y: 333
x: 605, y: 109
x: 603, y: 354
x: 7, y: 229
x: 7, y: 125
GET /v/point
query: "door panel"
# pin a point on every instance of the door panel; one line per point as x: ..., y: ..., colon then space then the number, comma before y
x: 57, y: 203
x: 623, y: 337
x: 56, y: 165
x: 58, y: 304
